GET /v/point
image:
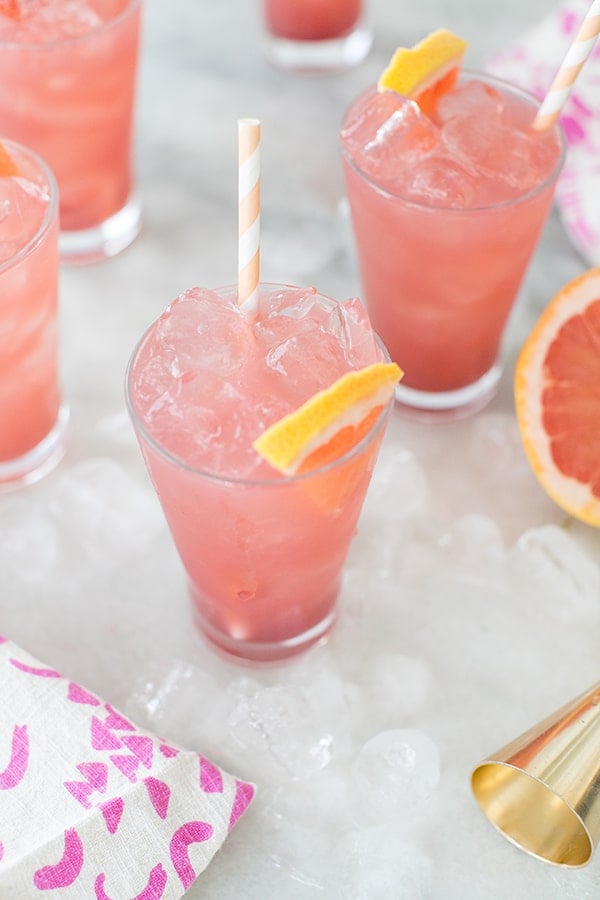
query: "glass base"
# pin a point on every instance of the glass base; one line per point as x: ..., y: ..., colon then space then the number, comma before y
x: 262, y: 651
x: 319, y: 56
x: 29, y: 468
x: 443, y: 406
x: 79, y: 248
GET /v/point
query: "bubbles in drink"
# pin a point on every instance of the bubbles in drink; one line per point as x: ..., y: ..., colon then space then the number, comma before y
x: 48, y: 20
x: 206, y: 362
x: 201, y: 331
x: 299, y: 332
x: 490, y: 136
x: 471, y: 99
x: 384, y: 129
x: 22, y: 208
x: 307, y: 335
x: 512, y: 160
x: 441, y: 181
x: 368, y: 114
x: 478, y: 151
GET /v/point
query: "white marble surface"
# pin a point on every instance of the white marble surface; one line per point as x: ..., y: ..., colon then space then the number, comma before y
x: 471, y: 603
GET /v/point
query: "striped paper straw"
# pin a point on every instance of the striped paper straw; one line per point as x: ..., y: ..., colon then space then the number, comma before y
x: 249, y: 212
x: 576, y: 56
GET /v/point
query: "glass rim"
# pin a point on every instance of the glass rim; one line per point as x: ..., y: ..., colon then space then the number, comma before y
x: 105, y: 25
x: 244, y: 481
x: 472, y: 74
x: 51, y: 212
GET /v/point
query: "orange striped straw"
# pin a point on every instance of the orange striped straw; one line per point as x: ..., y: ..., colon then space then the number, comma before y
x: 248, y: 212
x: 576, y: 56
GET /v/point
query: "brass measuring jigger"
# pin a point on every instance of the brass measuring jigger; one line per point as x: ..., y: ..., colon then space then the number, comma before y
x: 542, y: 791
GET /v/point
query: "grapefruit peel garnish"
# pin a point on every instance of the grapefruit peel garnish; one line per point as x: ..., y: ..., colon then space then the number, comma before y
x: 426, y: 71
x: 331, y: 422
x: 8, y: 166
x: 17, y: 9
x: 10, y: 9
x: 557, y: 398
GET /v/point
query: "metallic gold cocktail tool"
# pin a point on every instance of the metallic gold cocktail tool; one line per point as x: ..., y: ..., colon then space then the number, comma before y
x: 542, y: 791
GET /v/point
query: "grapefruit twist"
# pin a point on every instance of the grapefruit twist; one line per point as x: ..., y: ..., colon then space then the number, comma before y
x: 557, y: 397
x: 426, y: 71
x: 14, y: 9
x: 8, y: 166
x: 331, y: 422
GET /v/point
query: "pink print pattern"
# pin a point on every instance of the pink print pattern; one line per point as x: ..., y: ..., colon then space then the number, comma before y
x: 168, y: 751
x: 19, y: 759
x: 159, y: 794
x: 77, y: 695
x: 154, y: 889
x: 35, y: 670
x: 66, y: 871
x: 95, y: 773
x: 243, y: 796
x: 112, y: 811
x: 102, y: 737
x: 116, y: 721
x: 190, y: 833
x: 127, y: 765
x: 210, y: 777
x: 140, y: 746
x: 532, y: 62
x: 99, y: 775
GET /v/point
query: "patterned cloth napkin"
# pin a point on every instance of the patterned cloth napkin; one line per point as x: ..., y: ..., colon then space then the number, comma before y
x: 532, y: 61
x: 93, y: 807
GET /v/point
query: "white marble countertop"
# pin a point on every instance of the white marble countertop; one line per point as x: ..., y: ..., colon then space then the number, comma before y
x: 471, y: 603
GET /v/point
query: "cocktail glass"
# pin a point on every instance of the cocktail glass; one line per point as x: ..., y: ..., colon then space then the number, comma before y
x: 315, y: 34
x: 263, y: 556
x: 32, y: 418
x: 67, y: 89
x: 440, y: 281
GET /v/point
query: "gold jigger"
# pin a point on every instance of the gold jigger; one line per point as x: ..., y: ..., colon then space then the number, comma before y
x: 542, y: 791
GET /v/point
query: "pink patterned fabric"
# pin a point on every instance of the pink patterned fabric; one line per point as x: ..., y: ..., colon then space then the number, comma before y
x: 92, y: 806
x: 532, y: 62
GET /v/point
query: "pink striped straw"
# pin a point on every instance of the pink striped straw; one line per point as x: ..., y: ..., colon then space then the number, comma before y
x: 576, y: 56
x: 248, y: 212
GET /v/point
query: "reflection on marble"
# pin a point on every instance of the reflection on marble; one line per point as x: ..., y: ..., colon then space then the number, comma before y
x: 471, y: 603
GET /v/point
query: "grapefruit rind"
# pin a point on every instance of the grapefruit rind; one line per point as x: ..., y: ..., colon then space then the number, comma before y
x: 11, y: 9
x: 8, y: 166
x: 19, y: 9
x: 414, y: 70
x: 348, y: 402
x: 573, y: 496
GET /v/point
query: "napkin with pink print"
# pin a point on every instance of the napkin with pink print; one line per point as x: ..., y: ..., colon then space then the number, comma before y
x: 94, y: 808
x: 532, y: 61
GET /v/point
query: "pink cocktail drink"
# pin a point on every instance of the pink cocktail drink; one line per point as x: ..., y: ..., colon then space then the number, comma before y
x: 315, y: 34
x: 67, y: 88
x: 446, y: 213
x: 263, y: 551
x: 312, y: 20
x: 31, y: 419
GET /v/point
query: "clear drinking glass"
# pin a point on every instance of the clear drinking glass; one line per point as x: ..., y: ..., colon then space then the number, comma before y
x: 263, y: 556
x: 440, y: 281
x: 67, y: 89
x: 316, y: 35
x: 32, y: 417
